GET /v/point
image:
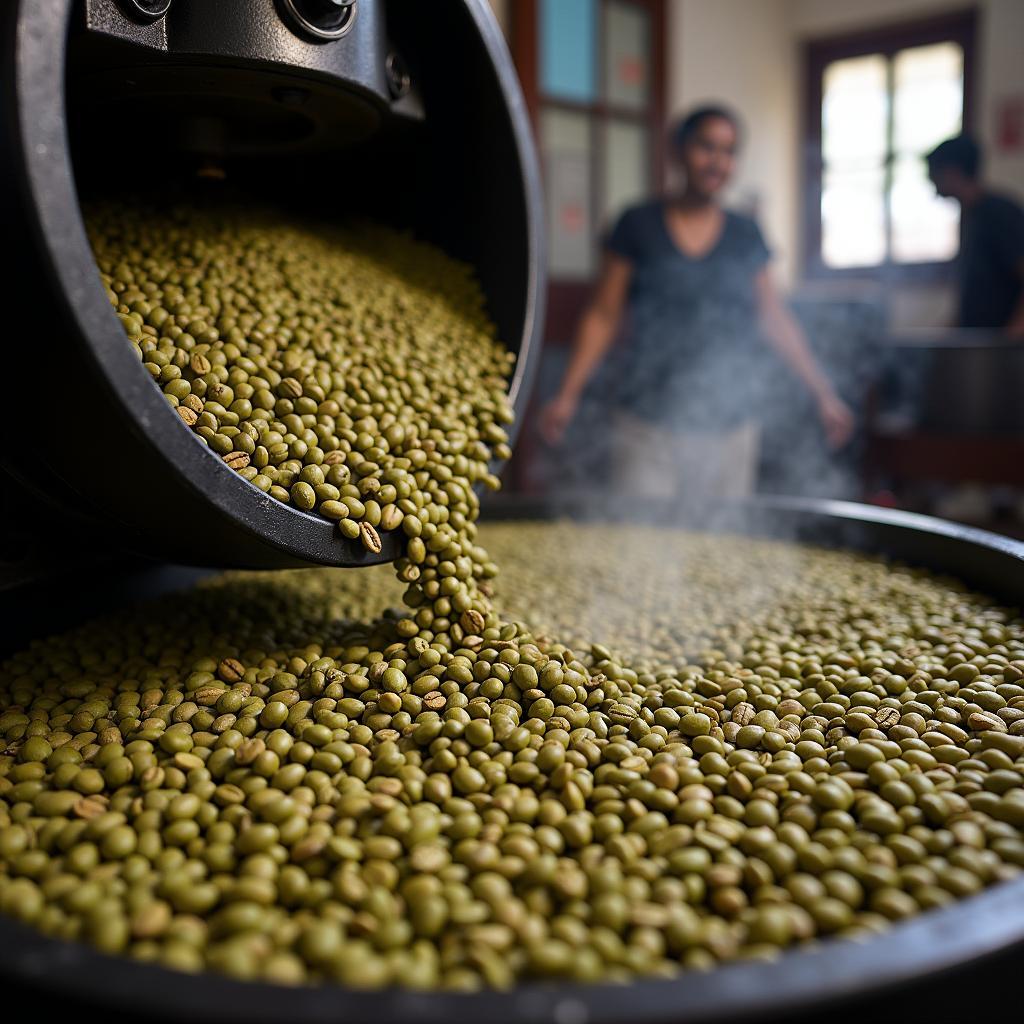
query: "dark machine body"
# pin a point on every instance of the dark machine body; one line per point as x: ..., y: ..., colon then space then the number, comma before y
x: 407, y: 113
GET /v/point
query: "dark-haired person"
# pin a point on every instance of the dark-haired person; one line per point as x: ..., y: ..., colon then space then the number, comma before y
x: 991, y: 263
x: 689, y: 282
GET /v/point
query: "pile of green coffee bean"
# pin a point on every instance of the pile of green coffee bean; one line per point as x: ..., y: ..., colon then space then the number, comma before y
x: 261, y: 778
x: 272, y: 777
x: 351, y: 372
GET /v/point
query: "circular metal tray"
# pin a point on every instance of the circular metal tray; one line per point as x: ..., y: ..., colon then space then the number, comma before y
x: 910, y: 970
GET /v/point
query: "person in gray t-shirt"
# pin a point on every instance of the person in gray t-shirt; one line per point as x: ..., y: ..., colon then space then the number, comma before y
x: 687, y: 284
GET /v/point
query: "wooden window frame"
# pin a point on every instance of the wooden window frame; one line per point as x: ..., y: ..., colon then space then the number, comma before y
x: 956, y: 27
x: 568, y: 298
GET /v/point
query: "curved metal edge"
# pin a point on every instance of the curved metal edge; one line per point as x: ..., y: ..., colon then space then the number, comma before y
x: 297, y: 538
x: 964, y: 932
x: 856, y: 512
x: 938, y: 940
x: 528, y: 358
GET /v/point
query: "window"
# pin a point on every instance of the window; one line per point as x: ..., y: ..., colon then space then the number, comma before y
x: 594, y: 107
x: 879, y: 102
x: 593, y: 77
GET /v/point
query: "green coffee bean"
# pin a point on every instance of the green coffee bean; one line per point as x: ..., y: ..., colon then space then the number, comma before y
x: 271, y: 779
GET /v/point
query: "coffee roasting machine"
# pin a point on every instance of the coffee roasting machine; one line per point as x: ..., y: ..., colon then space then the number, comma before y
x: 407, y: 111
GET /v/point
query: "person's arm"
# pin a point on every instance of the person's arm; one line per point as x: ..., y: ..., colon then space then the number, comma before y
x: 594, y: 336
x: 785, y: 335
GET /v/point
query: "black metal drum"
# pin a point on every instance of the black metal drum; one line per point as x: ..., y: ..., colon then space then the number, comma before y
x: 405, y: 112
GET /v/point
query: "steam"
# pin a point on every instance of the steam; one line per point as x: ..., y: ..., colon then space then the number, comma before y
x: 726, y: 384
x: 639, y: 583
x: 658, y: 598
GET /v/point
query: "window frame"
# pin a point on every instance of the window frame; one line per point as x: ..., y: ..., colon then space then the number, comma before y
x: 887, y: 40
x: 567, y: 297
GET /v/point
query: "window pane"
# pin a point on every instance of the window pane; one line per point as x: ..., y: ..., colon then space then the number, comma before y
x: 626, y: 49
x: 567, y: 49
x: 854, y: 112
x: 566, y: 146
x: 929, y: 96
x: 924, y: 227
x: 626, y: 163
x: 928, y: 83
x: 853, y: 218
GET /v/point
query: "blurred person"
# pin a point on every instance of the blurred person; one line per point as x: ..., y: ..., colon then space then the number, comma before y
x: 991, y: 262
x: 689, y: 284
x: 991, y: 282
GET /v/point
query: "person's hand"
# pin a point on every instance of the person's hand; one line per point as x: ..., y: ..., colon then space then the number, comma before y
x: 555, y: 417
x: 837, y: 420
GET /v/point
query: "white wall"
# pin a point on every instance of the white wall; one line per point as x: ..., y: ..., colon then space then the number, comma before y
x: 1002, y: 52
x: 742, y: 52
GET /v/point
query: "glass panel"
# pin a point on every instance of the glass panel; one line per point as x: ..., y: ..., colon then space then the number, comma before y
x: 626, y: 55
x: 853, y: 218
x: 924, y: 227
x: 928, y: 105
x: 929, y: 96
x: 626, y: 167
x: 854, y: 112
x: 567, y: 49
x: 565, y: 140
